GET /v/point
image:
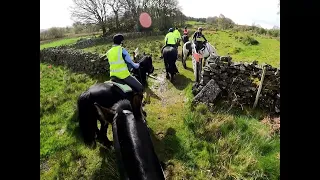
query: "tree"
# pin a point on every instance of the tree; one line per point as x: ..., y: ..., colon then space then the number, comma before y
x: 221, y: 22
x: 91, y: 11
x: 116, y: 5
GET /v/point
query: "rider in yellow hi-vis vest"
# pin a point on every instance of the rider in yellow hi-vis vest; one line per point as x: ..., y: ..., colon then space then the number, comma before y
x: 178, y: 35
x: 118, y: 66
x: 169, y: 40
x: 119, y: 60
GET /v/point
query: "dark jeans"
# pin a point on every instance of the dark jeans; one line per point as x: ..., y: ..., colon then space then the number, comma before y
x: 132, y: 82
x: 199, y: 45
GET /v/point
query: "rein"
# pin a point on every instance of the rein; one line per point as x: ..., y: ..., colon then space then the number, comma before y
x: 140, y: 74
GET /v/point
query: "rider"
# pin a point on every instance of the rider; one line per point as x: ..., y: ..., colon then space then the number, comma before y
x: 169, y: 40
x: 120, y: 60
x: 198, y: 34
x: 178, y: 35
x: 185, y: 31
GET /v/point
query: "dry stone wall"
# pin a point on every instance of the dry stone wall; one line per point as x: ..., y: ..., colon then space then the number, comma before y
x: 238, y: 83
x: 75, y: 60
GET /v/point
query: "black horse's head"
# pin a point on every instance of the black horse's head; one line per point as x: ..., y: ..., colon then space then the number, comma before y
x: 146, y: 67
x: 136, y: 155
x: 146, y: 63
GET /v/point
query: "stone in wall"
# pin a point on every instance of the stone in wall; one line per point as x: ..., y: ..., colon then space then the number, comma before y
x: 208, y: 93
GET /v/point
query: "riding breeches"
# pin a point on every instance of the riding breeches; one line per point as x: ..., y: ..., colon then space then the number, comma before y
x: 132, y: 82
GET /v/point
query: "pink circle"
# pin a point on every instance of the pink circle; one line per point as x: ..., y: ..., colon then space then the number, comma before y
x: 145, y: 20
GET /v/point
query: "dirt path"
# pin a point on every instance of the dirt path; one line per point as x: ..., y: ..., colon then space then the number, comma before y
x: 166, y: 113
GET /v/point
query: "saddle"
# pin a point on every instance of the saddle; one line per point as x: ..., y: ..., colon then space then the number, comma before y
x: 121, y: 86
x: 201, y: 46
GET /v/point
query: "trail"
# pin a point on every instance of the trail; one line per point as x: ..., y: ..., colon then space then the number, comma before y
x: 166, y: 113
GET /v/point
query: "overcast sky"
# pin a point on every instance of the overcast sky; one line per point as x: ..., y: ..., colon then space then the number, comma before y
x: 264, y: 12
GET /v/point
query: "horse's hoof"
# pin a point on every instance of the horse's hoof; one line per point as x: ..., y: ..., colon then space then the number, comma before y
x: 145, y: 102
x: 144, y: 113
x: 93, y: 145
x: 171, y: 78
x: 108, y: 144
x: 167, y: 76
x: 163, y: 165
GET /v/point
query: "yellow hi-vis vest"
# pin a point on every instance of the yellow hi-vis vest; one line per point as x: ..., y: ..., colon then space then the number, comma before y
x: 118, y: 66
x: 171, y: 37
x: 177, y: 33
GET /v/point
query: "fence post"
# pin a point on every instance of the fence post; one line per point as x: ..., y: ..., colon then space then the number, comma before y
x: 260, y: 87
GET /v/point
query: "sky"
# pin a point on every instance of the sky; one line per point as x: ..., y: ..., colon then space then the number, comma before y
x: 56, y: 13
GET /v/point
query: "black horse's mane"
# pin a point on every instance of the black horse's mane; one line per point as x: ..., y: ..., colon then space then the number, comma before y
x: 144, y: 59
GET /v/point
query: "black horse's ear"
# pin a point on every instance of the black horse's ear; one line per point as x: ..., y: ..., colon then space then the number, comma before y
x: 102, y: 111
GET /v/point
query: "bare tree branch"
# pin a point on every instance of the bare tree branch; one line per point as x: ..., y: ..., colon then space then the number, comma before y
x: 91, y: 11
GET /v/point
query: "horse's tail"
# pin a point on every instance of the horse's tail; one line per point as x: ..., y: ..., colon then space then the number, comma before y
x: 87, y: 116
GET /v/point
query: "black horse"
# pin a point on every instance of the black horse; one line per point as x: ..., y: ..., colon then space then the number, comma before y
x: 170, y: 56
x: 134, y: 149
x: 106, y: 95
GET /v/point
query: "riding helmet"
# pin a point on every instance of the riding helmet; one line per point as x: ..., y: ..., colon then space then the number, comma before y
x: 118, y: 38
x: 200, y: 28
x: 170, y: 29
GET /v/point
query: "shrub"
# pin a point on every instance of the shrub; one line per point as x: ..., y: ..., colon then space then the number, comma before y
x: 249, y: 40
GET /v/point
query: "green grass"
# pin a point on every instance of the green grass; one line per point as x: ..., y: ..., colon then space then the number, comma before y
x: 65, y: 41
x: 234, y: 147
x: 197, y: 144
x: 62, y: 156
x: 195, y: 23
x: 267, y: 51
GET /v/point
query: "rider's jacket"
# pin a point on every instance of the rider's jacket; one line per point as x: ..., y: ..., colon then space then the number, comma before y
x: 198, y: 35
x: 170, y: 39
x: 185, y: 32
x: 118, y: 66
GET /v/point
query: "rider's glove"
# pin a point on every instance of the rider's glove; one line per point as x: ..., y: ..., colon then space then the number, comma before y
x: 136, y: 65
